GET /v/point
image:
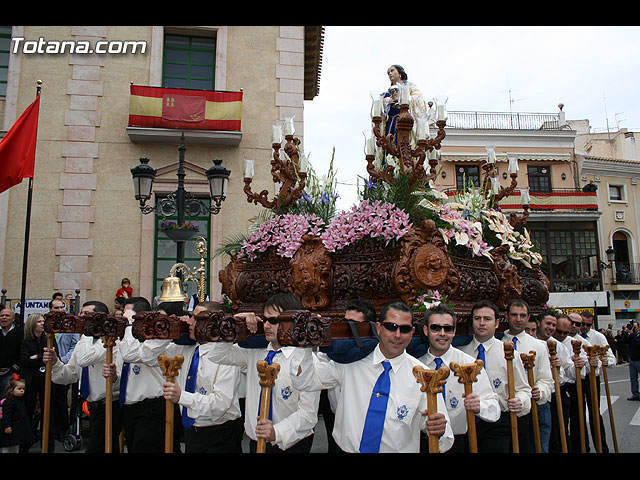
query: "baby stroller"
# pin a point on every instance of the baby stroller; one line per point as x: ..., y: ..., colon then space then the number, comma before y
x: 79, y: 411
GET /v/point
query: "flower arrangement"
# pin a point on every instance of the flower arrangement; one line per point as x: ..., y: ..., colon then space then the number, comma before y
x: 551, y: 310
x: 178, y: 226
x: 521, y: 247
x: 374, y: 219
x: 430, y: 299
x: 284, y: 232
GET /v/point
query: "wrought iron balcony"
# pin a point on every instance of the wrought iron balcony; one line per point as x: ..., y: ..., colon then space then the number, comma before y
x: 503, y: 121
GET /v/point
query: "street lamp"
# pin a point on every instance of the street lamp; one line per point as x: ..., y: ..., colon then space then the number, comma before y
x: 180, y: 202
x: 611, y: 257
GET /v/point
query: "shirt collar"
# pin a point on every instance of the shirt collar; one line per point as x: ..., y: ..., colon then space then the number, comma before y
x: 378, y: 357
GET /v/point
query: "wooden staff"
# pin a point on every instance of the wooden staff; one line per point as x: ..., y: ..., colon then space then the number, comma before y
x: 268, y: 374
x: 508, y: 355
x: 108, y: 343
x: 577, y: 348
x: 170, y: 368
x: 46, y: 417
x: 592, y: 351
x: 467, y: 375
x: 603, y: 352
x: 431, y: 382
x: 551, y: 346
x: 528, y: 359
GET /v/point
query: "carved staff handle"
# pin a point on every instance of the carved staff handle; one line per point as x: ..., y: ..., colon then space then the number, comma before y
x: 108, y: 343
x: 268, y: 374
x: 509, y: 355
x: 46, y: 419
x: 551, y: 346
x: 602, y: 352
x: 528, y: 359
x: 577, y: 348
x: 170, y: 369
x: 592, y: 351
x: 431, y: 382
x: 468, y: 374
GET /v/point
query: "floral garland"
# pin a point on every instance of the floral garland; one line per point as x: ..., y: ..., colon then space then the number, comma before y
x: 284, y: 232
x: 521, y: 247
x: 374, y: 219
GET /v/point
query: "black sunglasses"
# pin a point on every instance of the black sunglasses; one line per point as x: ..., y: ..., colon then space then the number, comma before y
x: 577, y: 324
x: 272, y: 320
x: 435, y: 328
x: 561, y: 332
x: 392, y: 327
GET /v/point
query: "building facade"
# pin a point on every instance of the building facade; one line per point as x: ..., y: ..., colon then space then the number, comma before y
x: 87, y: 231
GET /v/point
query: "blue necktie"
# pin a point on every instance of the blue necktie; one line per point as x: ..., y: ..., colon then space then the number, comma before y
x: 515, y: 343
x: 84, y: 383
x: 124, y: 376
x: 374, y: 421
x: 190, y: 386
x: 269, y: 360
x: 438, y: 365
x: 583, y: 335
x: 481, y: 355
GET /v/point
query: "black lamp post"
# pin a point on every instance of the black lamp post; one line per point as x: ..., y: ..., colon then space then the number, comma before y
x: 180, y: 202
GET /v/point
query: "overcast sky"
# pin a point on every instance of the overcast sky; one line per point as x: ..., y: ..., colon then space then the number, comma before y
x: 593, y: 71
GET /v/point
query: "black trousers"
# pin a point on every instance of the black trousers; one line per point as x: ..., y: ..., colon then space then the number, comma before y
x: 593, y: 409
x: 303, y: 446
x: 224, y: 438
x: 97, y: 416
x: 494, y: 437
x: 574, y: 419
x: 144, y: 426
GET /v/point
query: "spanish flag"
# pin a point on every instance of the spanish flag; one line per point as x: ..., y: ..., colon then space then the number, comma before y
x: 159, y: 107
x: 18, y: 148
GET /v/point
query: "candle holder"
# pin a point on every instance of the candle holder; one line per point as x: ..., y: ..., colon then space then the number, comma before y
x: 289, y: 175
x: 412, y: 160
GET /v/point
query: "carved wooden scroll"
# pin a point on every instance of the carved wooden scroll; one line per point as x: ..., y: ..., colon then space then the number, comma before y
x: 62, y: 322
x: 468, y: 374
x: 216, y: 326
x: 311, y: 273
x: 99, y: 324
x: 431, y: 382
x: 301, y: 328
x: 529, y: 361
x: 148, y: 325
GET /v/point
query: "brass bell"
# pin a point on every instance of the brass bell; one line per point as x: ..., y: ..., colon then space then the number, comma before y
x: 172, y: 290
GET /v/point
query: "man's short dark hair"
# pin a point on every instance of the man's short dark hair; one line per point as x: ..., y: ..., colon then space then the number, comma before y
x: 98, y: 306
x: 138, y: 304
x: 363, y: 306
x: 439, y: 309
x: 587, y: 314
x: 517, y: 302
x: 396, y: 305
x: 485, y: 304
x: 172, y: 308
x: 284, y: 301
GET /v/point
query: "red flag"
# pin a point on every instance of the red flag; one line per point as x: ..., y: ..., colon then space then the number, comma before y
x: 18, y: 148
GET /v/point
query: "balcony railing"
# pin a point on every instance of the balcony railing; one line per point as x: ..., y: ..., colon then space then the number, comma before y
x: 503, y: 121
x: 557, y: 199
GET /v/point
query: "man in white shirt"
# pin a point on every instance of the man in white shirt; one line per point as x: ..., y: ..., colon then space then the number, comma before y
x: 518, y: 317
x: 209, y: 405
x: 496, y: 437
x: 385, y: 376
x: 440, y: 328
x: 566, y: 331
x: 594, y: 337
x: 563, y: 364
x: 85, y: 365
x: 294, y: 413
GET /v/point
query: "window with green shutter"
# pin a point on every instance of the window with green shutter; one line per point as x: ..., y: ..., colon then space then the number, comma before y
x: 189, y: 62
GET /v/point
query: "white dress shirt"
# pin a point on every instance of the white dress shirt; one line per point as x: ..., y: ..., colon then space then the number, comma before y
x: 144, y: 382
x: 404, y: 419
x: 215, y: 400
x: 584, y: 371
x: 454, y: 390
x: 567, y: 370
x: 91, y: 353
x: 295, y: 413
x: 543, y: 379
x: 496, y: 367
x: 594, y: 337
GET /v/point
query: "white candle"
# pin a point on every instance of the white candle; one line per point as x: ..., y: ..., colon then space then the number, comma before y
x: 491, y: 154
x: 302, y: 162
x: 513, y: 164
x: 404, y: 95
x: 421, y: 129
x: 441, y: 110
x: 524, y: 196
x: 495, y: 185
x: 276, y: 134
x: 289, y: 128
x: 248, y: 168
x: 370, y: 146
x: 376, y: 110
